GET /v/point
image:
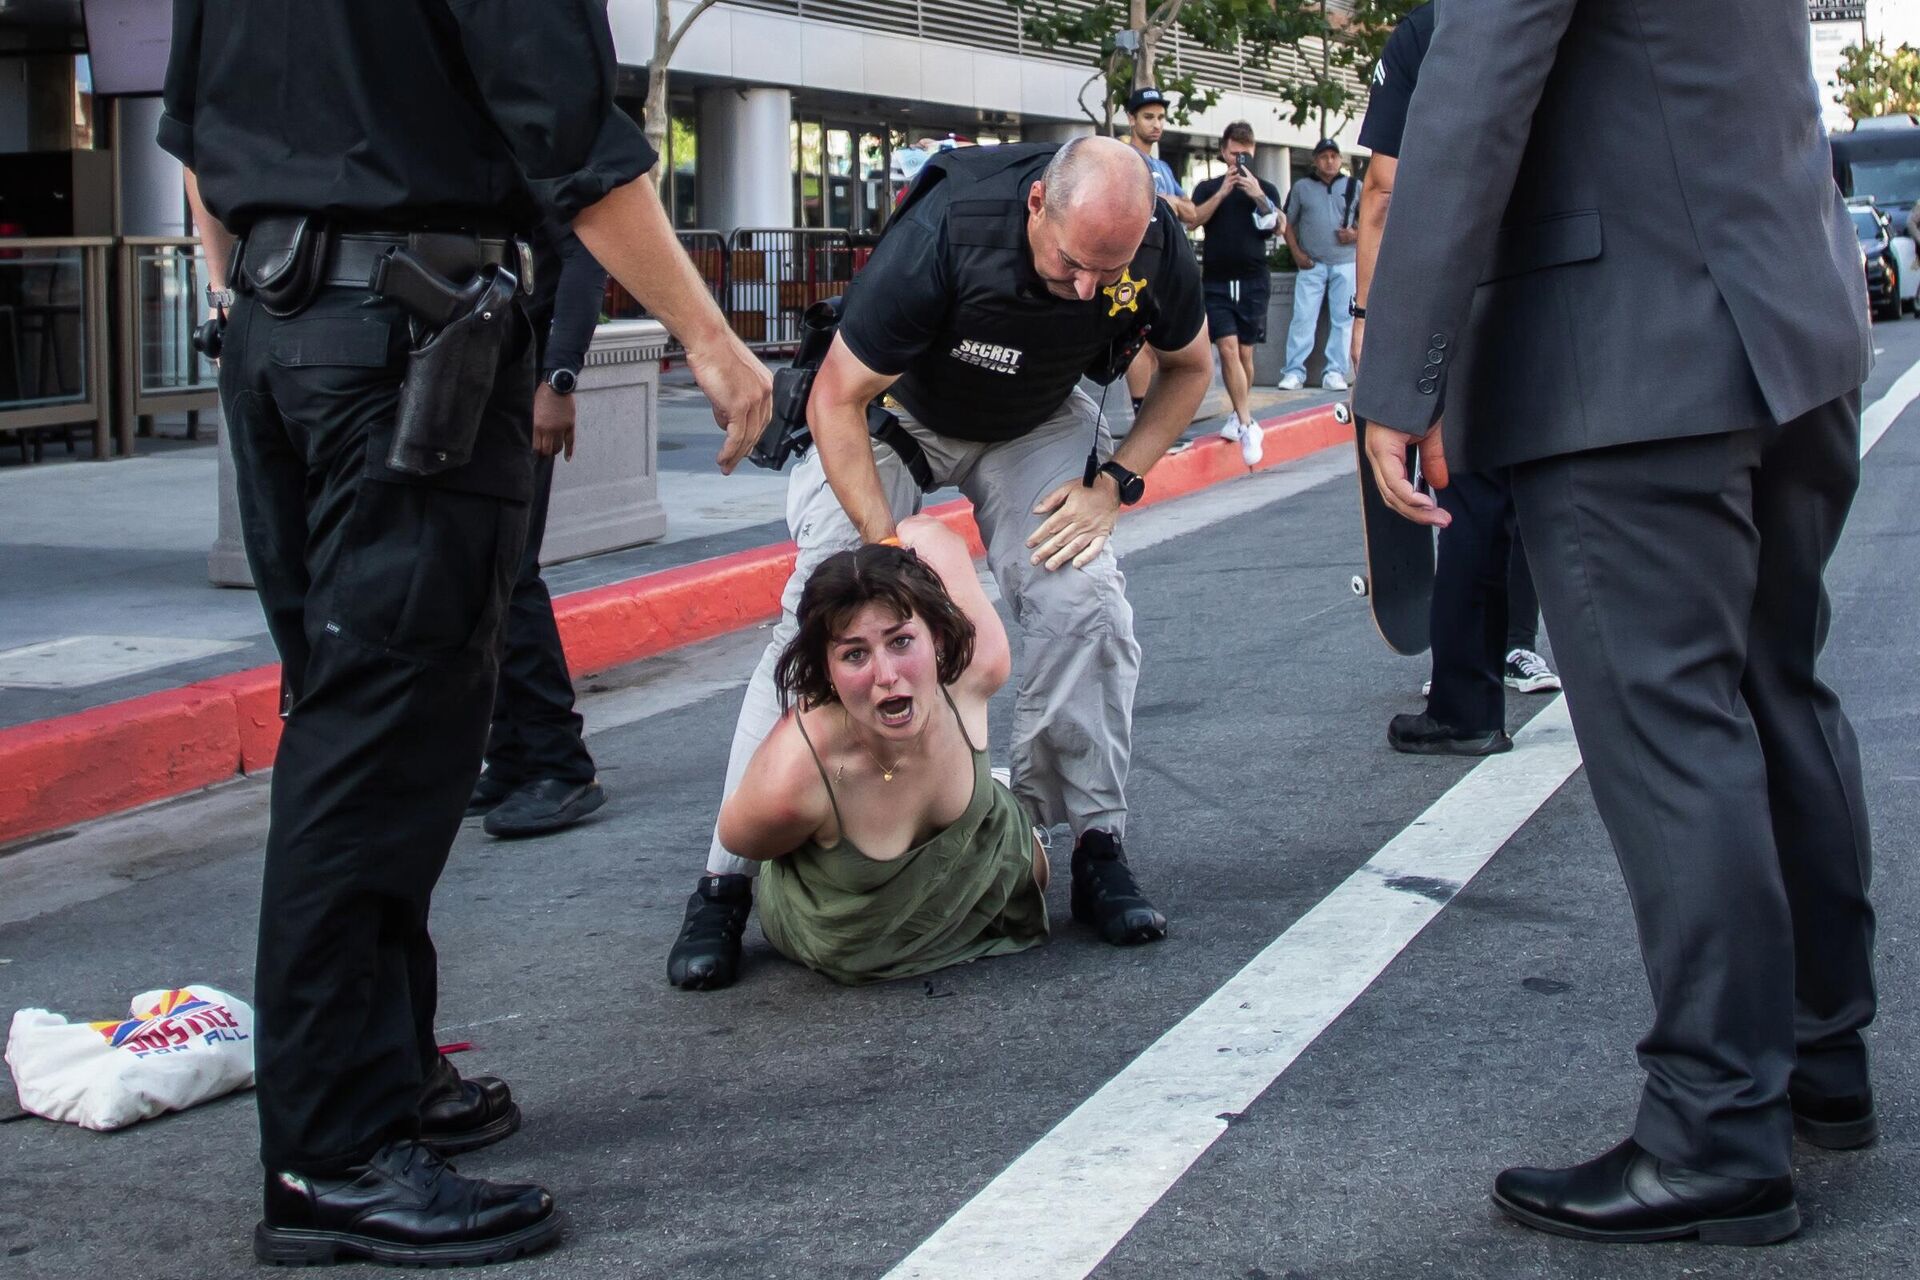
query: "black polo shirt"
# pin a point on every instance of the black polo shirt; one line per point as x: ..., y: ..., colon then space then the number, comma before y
x: 1236, y: 248
x: 407, y: 114
x: 1394, y: 80
x: 951, y: 303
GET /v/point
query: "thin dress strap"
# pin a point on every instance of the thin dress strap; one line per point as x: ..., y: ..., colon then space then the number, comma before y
x: 800, y: 724
x: 957, y: 719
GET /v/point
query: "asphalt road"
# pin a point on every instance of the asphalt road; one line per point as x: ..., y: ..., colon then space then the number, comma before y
x: 790, y: 1128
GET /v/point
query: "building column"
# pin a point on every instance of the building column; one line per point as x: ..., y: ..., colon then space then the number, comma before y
x: 153, y: 200
x: 745, y: 173
x: 1275, y: 164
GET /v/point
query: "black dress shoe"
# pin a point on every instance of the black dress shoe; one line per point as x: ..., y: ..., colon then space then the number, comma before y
x: 1631, y: 1196
x: 539, y: 808
x: 459, y: 1115
x: 1838, y: 1124
x: 488, y: 792
x: 406, y: 1207
x: 706, y: 955
x: 1105, y: 895
x: 1422, y: 735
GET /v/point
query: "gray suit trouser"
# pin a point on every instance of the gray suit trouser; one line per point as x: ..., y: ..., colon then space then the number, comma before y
x: 1681, y: 581
x: 1073, y: 713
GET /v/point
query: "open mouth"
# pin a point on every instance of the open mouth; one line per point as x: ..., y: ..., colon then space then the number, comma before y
x: 895, y: 713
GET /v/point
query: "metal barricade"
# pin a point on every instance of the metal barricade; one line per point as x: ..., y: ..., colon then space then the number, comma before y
x: 53, y: 337
x: 775, y: 273
x: 708, y: 250
x: 160, y: 299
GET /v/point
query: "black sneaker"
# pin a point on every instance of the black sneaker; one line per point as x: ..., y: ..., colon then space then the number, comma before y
x: 459, y: 1115
x: 706, y: 955
x: 543, y: 807
x: 406, y: 1207
x: 488, y: 792
x: 1105, y: 895
x: 1422, y: 735
x: 1528, y: 672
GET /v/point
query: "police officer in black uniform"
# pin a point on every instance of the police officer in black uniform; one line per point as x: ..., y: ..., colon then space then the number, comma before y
x: 374, y: 162
x: 539, y: 776
x: 1008, y: 273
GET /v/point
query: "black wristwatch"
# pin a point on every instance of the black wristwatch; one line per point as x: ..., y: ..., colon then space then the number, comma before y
x: 561, y: 381
x: 1358, y: 313
x: 1132, y: 487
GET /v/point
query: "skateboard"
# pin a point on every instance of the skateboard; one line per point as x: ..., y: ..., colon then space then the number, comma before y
x: 1398, y: 583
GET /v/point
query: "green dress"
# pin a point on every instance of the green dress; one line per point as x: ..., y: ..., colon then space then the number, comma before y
x: 967, y: 891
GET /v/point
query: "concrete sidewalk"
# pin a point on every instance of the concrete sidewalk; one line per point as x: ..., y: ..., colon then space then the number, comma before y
x: 108, y: 563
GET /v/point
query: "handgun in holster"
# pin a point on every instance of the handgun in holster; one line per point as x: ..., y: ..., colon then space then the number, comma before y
x: 459, y: 331
x: 787, y: 434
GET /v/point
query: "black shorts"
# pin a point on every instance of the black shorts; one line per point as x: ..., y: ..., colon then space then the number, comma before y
x: 1238, y: 309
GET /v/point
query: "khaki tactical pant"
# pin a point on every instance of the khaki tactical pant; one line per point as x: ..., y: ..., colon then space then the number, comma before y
x: 1073, y: 716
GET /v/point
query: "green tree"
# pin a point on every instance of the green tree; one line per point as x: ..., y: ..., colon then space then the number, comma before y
x: 666, y: 40
x: 1878, y: 81
x: 1254, y: 31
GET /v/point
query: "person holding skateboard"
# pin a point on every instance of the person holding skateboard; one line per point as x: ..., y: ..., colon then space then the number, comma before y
x: 1482, y: 589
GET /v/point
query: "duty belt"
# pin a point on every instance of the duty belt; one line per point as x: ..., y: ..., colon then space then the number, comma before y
x: 352, y: 254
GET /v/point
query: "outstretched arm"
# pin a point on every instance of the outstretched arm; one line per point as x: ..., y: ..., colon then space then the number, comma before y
x: 947, y: 555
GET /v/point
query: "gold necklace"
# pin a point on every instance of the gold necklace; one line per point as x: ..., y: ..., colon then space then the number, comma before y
x: 886, y: 774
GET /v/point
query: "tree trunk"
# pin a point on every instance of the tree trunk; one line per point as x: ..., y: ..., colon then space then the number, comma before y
x: 656, y: 108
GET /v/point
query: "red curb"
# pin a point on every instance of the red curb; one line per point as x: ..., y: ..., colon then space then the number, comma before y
x: 56, y: 773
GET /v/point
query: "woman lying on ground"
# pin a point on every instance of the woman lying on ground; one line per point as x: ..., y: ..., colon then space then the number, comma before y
x: 891, y: 849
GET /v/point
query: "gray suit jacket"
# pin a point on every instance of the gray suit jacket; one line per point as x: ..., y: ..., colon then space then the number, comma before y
x: 1613, y: 221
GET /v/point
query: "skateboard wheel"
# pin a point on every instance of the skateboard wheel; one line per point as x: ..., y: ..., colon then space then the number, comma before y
x: 1342, y: 414
x: 1359, y: 585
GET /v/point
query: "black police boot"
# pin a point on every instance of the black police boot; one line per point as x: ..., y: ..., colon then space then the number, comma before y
x: 544, y: 806
x: 459, y: 1115
x: 1105, y: 896
x: 706, y: 955
x: 405, y: 1207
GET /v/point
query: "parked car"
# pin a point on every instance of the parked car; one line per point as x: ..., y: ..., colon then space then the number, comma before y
x: 1881, y: 163
x: 1892, y: 265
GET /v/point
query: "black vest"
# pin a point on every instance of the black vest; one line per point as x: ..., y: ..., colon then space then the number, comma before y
x: 1008, y: 353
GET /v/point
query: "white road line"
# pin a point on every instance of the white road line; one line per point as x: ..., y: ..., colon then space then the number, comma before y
x: 1171, y: 1103
x: 1880, y: 414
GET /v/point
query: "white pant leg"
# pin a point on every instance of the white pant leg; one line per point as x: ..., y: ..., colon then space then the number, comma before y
x: 1340, y: 287
x: 821, y: 527
x: 1073, y: 713
x: 1309, y: 287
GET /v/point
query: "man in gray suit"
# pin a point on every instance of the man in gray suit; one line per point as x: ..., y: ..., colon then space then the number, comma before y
x: 1623, y: 270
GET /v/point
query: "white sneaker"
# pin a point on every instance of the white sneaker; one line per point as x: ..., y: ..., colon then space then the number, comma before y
x: 1333, y: 380
x: 1230, y: 429
x: 1292, y: 382
x: 1253, y: 443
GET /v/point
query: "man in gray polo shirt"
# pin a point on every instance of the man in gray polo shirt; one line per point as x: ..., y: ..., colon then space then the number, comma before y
x: 1321, y: 213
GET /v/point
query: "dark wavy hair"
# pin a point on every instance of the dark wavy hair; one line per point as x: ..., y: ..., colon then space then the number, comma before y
x: 848, y: 581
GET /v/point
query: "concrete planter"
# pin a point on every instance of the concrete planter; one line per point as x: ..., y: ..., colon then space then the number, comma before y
x: 1270, y: 358
x: 606, y: 498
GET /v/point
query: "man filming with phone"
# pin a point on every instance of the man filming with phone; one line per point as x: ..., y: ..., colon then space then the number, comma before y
x: 1240, y: 213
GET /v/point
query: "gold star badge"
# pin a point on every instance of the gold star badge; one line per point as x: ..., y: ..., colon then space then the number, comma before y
x: 1124, y: 294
